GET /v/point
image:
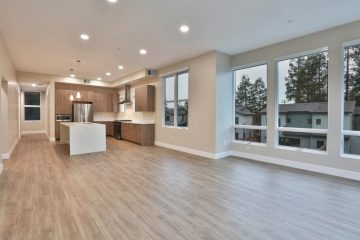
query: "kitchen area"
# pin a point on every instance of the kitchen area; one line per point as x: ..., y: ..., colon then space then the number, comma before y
x: 126, y: 114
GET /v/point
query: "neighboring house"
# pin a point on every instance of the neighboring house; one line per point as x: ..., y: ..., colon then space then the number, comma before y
x: 301, y: 115
x: 182, y: 117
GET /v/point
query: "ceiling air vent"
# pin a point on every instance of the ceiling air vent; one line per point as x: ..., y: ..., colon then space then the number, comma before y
x: 150, y: 73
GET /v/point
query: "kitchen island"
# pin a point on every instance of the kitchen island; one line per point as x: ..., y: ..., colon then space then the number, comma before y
x: 83, y: 137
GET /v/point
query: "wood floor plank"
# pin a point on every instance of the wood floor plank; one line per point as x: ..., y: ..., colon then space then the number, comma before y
x: 135, y: 192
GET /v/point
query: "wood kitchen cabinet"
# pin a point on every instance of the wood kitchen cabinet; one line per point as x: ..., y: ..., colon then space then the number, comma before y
x: 103, y: 102
x: 143, y: 134
x: 145, y: 98
x: 63, y: 104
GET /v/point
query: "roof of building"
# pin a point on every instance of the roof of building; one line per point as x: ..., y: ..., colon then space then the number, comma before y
x: 317, y: 107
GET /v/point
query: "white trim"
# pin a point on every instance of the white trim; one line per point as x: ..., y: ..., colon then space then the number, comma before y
x: 302, y: 130
x: 299, y: 149
x: 249, y: 65
x: 302, y: 54
x: 351, y: 133
x: 8, y: 154
x: 33, y: 132
x: 52, y: 139
x: 193, y: 151
x: 1, y: 167
x: 254, y: 127
x: 168, y: 74
x: 299, y: 165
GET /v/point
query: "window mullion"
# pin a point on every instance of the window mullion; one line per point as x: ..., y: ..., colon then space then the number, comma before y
x: 176, y: 100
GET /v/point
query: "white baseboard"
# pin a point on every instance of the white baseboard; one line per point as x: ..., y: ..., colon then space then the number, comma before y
x: 8, y: 154
x: 283, y: 162
x: 299, y: 165
x: 192, y: 151
x: 52, y: 139
x: 33, y: 132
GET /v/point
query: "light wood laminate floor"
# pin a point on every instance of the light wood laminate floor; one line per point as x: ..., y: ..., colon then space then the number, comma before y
x: 134, y: 192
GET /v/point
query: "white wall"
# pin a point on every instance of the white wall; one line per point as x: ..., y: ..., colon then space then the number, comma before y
x: 201, y: 132
x: 9, y: 104
x: 332, y: 38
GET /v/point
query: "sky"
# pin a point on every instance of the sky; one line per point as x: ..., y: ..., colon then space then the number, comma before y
x: 260, y: 71
x: 183, y: 87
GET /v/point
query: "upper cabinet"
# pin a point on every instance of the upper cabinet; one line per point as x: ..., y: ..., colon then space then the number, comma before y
x: 103, y: 99
x: 145, y: 98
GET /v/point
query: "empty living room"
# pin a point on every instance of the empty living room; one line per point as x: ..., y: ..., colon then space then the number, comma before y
x: 179, y: 120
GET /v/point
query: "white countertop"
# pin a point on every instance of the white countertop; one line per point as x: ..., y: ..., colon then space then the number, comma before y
x: 69, y: 124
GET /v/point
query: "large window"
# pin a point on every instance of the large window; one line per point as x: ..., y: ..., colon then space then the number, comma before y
x: 176, y: 103
x: 250, y: 103
x: 351, y: 117
x: 303, y: 100
x: 32, y: 106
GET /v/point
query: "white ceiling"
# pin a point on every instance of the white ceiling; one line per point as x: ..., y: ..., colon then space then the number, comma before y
x: 43, y: 35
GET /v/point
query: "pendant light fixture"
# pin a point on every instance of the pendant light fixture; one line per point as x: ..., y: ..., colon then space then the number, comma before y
x: 78, y: 94
x: 72, y: 76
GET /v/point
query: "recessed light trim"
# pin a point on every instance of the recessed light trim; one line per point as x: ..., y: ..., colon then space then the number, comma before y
x: 108, y: 74
x: 184, y: 28
x: 99, y: 79
x: 143, y: 51
x: 72, y: 75
x: 112, y: 1
x: 121, y: 67
x: 84, y: 36
x: 33, y: 85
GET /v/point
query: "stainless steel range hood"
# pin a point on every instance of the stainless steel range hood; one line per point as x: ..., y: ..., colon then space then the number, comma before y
x: 127, y: 95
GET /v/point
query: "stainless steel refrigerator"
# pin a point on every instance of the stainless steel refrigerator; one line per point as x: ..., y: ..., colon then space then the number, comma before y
x: 83, y: 112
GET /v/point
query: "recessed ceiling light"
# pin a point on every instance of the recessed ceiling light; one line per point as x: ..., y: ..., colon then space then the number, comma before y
x: 33, y: 85
x: 84, y: 36
x: 112, y: 1
x: 99, y: 79
x: 72, y: 75
x: 120, y: 67
x: 108, y: 74
x: 184, y: 28
x: 142, y: 51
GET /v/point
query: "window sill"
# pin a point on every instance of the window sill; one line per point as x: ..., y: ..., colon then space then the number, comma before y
x: 249, y: 143
x: 172, y: 127
x: 350, y: 156
x: 303, y: 150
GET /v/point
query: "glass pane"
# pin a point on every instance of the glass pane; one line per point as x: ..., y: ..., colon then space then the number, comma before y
x: 251, y: 96
x: 32, y: 113
x: 182, y: 114
x: 352, y: 88
x: 170, y: 88
x: 303, y: 94
x: 250, y: 135
x: 303, y: 140
x: 183, y: 86
x: 352, y: 145
x: 169, y: 114
x: 32, y: 98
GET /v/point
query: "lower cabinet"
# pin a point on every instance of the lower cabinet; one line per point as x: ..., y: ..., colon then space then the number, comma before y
x: 143, y: 134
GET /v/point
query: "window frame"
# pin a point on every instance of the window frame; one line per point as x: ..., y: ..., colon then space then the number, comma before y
x: 277, y: 115
x: 32, y: 106
x: 176, y: 100
x: 250, y: 127
x: 351, y: 133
